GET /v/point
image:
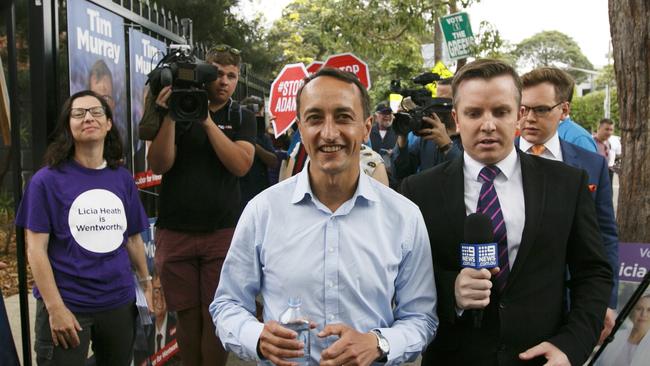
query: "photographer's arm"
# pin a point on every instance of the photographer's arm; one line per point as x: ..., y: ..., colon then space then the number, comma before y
x: 162, y: 151
x: 437, y: 133
x: 236, y: 156
x: 405, y: 157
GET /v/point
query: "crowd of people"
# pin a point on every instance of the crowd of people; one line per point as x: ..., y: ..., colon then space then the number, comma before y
x: 362, y: 223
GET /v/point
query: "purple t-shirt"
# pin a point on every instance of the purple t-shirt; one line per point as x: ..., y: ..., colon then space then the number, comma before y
x: 89, y: 214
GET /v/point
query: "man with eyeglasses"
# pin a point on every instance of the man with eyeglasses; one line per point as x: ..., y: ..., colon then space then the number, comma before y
x: 545, y: 105
x: 200, y: 204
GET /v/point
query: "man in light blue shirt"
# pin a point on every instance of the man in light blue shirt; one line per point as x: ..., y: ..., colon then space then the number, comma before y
x: 327, y: 235
x: 570, y: 131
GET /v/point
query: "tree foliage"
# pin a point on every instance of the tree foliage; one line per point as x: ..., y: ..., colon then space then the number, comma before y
x: 588, y: 110
x: 552, y: 48
x: 489, y: 44
x: 216, y: 22
x: 386, y: 34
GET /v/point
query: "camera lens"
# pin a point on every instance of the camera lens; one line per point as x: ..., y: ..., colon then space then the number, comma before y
x: 188, y: 103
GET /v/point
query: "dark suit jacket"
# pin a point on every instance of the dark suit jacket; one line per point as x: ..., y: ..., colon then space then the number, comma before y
x: 560, y: 230
x: 600, y: 187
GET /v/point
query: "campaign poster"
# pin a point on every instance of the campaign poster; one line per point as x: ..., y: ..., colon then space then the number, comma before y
x: 144, y: 54
x: 155, y: 343
x: 97, y: 57
x: 631, y: 343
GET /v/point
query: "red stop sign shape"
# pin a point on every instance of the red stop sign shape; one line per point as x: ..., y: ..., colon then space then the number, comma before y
x: 350, y: 62
x: 282, y: 103
x: 314, y: 66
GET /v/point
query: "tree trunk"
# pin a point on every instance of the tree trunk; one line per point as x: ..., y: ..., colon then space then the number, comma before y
x: 437, y: 40
x: 630, y: 28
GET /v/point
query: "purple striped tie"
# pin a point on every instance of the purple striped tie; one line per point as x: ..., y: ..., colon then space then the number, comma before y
x: 488, y: 203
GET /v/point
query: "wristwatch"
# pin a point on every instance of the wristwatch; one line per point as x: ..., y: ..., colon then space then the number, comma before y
x: 445, y: 148
x: 382, y: 344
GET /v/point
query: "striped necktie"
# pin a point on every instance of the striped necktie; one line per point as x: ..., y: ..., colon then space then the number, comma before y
x: 488, y: 204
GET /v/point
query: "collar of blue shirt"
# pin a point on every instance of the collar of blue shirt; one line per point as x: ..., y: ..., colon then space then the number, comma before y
x: 365, y: 190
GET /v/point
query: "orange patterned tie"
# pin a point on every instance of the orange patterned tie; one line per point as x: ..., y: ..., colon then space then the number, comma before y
x: 538, y: 149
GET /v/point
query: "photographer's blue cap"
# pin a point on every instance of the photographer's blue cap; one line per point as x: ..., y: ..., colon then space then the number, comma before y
x: 383, y: 108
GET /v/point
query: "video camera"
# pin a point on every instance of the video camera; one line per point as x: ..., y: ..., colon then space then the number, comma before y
x: 188, y: 77
x: 419, y: 103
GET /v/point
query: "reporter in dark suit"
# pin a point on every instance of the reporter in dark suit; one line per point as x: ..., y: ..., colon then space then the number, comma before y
x: 545, y: 98
x: 544, y: 221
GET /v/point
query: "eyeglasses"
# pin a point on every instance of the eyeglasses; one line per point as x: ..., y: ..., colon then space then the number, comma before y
x: 540, y: 111
x: 226, y: 48
x: 79, y: 113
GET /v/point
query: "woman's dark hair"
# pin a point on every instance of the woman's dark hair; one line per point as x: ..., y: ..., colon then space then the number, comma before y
x: 62, y: 147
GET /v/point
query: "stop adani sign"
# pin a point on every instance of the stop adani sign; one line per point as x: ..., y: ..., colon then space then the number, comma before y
x: 282, y: 103
x: 314, y: 66
x: 351, y: 63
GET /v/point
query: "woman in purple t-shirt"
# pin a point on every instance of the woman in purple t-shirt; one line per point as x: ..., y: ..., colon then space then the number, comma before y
x: 83, y: 218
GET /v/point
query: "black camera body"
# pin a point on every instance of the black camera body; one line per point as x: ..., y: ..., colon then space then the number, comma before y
x: 422, y: 105
x: 188, y: 77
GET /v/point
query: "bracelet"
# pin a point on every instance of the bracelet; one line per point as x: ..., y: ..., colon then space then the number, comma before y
x: 145, y: 279
x: 444, y: 149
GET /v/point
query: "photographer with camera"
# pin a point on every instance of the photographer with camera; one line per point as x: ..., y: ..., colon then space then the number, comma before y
x: 200, y: 161
x: 430, y: 143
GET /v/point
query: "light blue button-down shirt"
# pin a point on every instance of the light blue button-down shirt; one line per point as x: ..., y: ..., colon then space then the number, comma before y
x: 367, y: 265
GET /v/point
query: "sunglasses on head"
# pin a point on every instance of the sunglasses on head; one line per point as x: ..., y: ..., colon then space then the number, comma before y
x: 226, y: 48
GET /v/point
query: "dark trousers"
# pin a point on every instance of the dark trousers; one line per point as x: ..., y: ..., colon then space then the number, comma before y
x: 112, y: 333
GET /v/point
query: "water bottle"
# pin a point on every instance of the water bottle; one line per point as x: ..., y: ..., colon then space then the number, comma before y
x: 294, y: 319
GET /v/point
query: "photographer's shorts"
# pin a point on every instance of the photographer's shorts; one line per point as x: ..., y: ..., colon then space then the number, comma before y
x: 189, y: 265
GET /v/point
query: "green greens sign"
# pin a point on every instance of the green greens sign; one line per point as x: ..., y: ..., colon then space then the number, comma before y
x: 458, y: 34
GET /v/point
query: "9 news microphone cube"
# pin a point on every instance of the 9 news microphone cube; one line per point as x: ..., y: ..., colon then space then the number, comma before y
x: 479, y: 256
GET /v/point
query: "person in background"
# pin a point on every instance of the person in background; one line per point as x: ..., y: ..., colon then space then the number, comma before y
x: 601, y: 137
x: 382, y: 136
x: 631, y: 346
x: 257, y: 178
x: 200, y: 203
x: 83, y: 218
x: 539, y: 137
x: 437, y: 142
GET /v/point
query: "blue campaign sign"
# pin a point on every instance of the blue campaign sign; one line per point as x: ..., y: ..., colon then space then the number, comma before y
x: 97, y: 56
x: 144, y: 54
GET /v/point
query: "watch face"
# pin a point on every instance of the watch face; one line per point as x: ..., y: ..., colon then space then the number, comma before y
x: 383, y: 345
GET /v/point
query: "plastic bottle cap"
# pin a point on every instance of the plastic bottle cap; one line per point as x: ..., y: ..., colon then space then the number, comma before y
x: 295, y: 301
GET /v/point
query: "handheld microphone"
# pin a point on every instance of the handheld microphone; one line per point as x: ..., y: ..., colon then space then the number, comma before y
x: 479, y: 250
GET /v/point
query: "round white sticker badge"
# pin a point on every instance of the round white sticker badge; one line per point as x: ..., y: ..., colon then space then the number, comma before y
x: 97, y: 220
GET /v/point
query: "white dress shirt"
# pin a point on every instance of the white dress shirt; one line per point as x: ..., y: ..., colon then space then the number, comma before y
x: 368, y: 265
x: 162, y: 331
x: 510, y: 191
x: 553, y: 150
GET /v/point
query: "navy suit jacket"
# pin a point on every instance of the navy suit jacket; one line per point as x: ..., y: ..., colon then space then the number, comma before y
x: 600, y: 187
